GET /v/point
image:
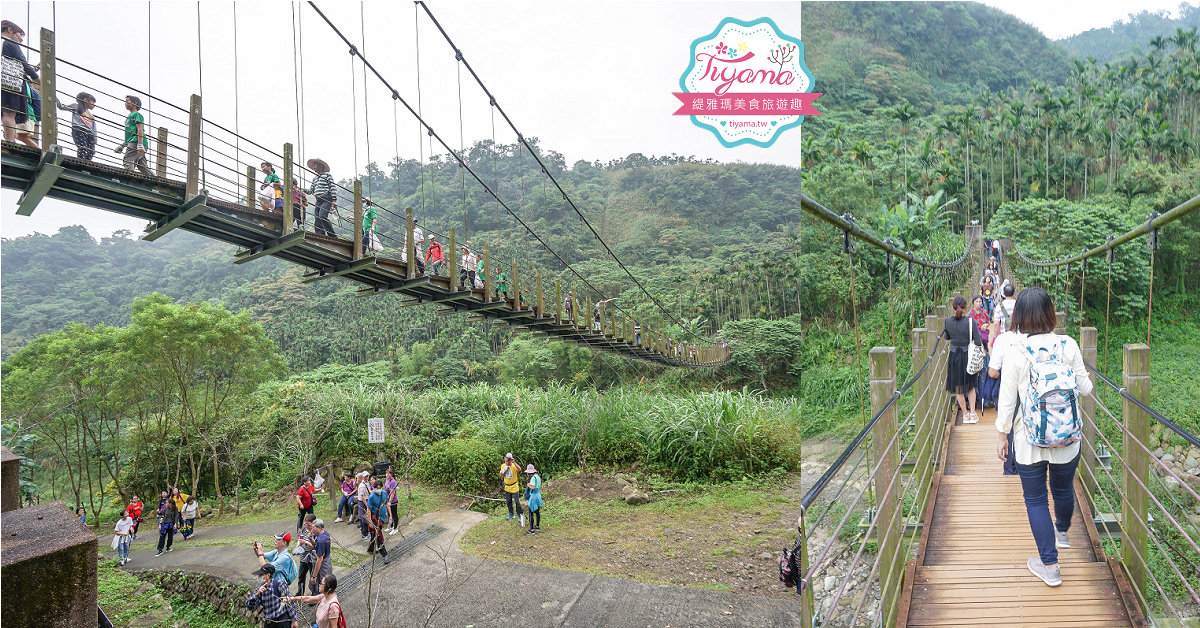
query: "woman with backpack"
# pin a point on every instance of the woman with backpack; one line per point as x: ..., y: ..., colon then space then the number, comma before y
x: 1041, y: 380
x: 962, y: 332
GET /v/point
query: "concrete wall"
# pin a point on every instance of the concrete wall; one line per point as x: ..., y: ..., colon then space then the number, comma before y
x: 10, y: 480
x: 48, y: 568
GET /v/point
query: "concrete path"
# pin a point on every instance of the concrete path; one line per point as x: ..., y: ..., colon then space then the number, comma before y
x: 439, y: 585
x: 463, y: 590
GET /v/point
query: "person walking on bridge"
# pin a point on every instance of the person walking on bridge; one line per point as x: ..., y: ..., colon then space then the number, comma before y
x: 17, y: 73
x: 961, y: 331
x: 433, y: 256
x: 1042, y: 378
x: 136, y: 143
x: 322, y: 190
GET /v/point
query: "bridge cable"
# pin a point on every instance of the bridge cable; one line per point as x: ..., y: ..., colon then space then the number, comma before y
x: 149, y: 74
x: 200, y: 68
x: 458, y: 157
x: 1108, y: 302
x: 303, y: 114
x: 495, y: 172
x: 354, y: 108
x: 420, y: 110
x: 1152, y: 242
x: 362, y: 26
x: 1082, y: 283
x: 462, y: 149
x: 891, y: 298
x: 848, y: 248
x: 521, y: 140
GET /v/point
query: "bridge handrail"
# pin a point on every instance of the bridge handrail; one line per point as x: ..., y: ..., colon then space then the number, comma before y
x: 1173, y: 426
x: 826, y: 477
x: 846, y: 223
x: 1154, y: 221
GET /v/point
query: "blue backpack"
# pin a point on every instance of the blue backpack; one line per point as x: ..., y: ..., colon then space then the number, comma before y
x: 1051, y: 409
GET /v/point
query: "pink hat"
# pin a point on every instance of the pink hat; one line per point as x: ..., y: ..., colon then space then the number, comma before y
x: 530, y: 469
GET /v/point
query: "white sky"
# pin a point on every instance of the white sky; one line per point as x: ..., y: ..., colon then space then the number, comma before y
x: 592, y: 80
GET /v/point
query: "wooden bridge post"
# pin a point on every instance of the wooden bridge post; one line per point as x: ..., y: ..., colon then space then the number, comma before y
x: 587, y: 312
x: 47, y: 79
x: 558, y: 309
x: 541, y: 302
x: 574, y: 314
x: 452, y: 260
x: 1060, y: 327
x: 1087, y: 346
x: 926, y: 427
x: 1136, y: 372
x: 289, y: 208
x: 160, y: 153
x: 487, y: 273
x: 888, y: 526
x: 516, y: 288
x: 250, y: 176
x: 358, y: 220
x: 410, y: 247
x: 195, y: 119
x: 936, y: 373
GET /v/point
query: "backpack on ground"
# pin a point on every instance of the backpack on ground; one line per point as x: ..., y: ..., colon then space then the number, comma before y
x: 1051, y: 408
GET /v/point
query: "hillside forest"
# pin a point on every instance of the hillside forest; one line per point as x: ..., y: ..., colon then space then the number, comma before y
x: 165, y: 363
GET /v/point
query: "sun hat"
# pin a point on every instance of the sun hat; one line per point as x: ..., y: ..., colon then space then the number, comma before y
x: 318, y: 164
x: 530, y: 469
x: 508, y: 456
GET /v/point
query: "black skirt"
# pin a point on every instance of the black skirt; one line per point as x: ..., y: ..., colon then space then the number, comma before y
x: 957, y: 379
x: 16, y: 103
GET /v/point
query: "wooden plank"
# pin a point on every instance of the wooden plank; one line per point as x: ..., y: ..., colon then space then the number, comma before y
x: 270, y: 247
x: 187, y: 211
x: 48, y: 170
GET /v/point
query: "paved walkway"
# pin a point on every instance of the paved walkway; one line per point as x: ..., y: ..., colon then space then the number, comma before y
x: 422, y: 589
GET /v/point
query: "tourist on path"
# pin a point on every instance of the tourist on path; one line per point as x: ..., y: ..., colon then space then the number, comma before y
x: 987, y: 291
x: 323, y: 551
x: 346, y: 503
x: 510, y: 473
x: 328, y: 608
x: 15, y: 99
x: 389, y: 489
x: 135, y: 510
x: 533, y: 495
x: 305, y: 544
x: 982, y: 317
x: 322, y: 190
x: 961, y: 331
x: 124, y: 533
x: 82, y: 514
x: 469, y: 262
x: 360, y: 502
x: 188, y: 514
x: 378, y: 509
x: 136, y: 143
x: 271, y: 596
x: 167, y: 514
x: 370, y: 222
x: 280, y: 558
x: 304, y: 502
x: 1038, y: 350
x: 179, y: 498
x: 418, y: 240
x: 83, y: 125
x: 1003, y: 311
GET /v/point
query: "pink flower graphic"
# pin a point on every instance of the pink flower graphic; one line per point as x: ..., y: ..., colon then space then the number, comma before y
x: 721, y: 47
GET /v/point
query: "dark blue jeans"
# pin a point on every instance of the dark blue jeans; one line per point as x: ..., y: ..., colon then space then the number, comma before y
x: 1062, y: 487
x: 345, y: 505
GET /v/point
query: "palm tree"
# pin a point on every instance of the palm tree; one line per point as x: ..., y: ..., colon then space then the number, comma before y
x: 862, y: 152
x: 904, y: 114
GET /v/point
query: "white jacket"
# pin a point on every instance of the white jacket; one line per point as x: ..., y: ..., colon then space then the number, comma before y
x: 1014, y: 378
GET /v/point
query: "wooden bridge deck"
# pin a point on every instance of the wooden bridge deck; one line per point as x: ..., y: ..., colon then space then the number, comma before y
x: 970, y: 567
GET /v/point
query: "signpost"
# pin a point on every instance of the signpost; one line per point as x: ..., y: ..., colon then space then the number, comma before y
x: 375, y: 430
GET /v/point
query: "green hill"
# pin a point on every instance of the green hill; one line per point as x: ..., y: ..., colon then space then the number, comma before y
x: 869, y: 54
x: 1125, y: 37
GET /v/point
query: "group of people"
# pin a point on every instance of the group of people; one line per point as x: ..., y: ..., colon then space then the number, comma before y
x: 278, y: 571
x: 979, y: 323
x: 372, y: 503
x: 177, y: 512
x: 510, y: 475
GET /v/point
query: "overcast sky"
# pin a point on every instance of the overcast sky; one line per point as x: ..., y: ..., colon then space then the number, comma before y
x: 592, y: 80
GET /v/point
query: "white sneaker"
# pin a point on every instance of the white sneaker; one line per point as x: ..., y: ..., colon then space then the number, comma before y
x: 1061, y: 540
x: 1050, y: 575
x: 338, y: 520
x: 392, y: 531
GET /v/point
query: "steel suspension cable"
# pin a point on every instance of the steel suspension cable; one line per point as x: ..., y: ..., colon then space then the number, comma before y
x: 1108, y: 307
x: 362, y: 24
x: 420, y: 109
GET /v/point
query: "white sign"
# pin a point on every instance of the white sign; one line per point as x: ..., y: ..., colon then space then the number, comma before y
x: 375, y: 430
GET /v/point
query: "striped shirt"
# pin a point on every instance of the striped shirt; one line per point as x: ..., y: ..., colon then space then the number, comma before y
x: 274, y: 609
x: 322, y: 185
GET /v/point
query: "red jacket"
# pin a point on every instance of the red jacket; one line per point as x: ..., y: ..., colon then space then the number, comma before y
x: 434, y: 254
x: 135, y: 509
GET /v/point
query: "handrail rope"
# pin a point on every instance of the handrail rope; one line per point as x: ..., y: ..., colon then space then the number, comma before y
x: 459, y: 158
x: 828, y: 215
x: 1144, y: 523
x: 521, y: 138
x: 1174, y: 427
x: 821, y: 482
x: 841, y: 487
x: 1136, y: 551
x: 1154, y: 222
x: 1156, y: 459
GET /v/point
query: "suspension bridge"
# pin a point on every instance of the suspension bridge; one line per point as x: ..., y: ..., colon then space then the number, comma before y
x: 943, y: 538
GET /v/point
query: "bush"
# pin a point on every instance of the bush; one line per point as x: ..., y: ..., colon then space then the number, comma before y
x: 467, y: 464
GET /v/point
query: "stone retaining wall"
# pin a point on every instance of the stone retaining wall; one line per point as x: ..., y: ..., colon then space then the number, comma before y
x: 222, y: 595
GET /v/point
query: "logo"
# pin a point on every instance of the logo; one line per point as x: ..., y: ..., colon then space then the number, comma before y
x: 747, y: 83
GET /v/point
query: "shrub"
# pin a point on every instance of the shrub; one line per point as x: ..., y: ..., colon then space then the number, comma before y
x: 467, y: 464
